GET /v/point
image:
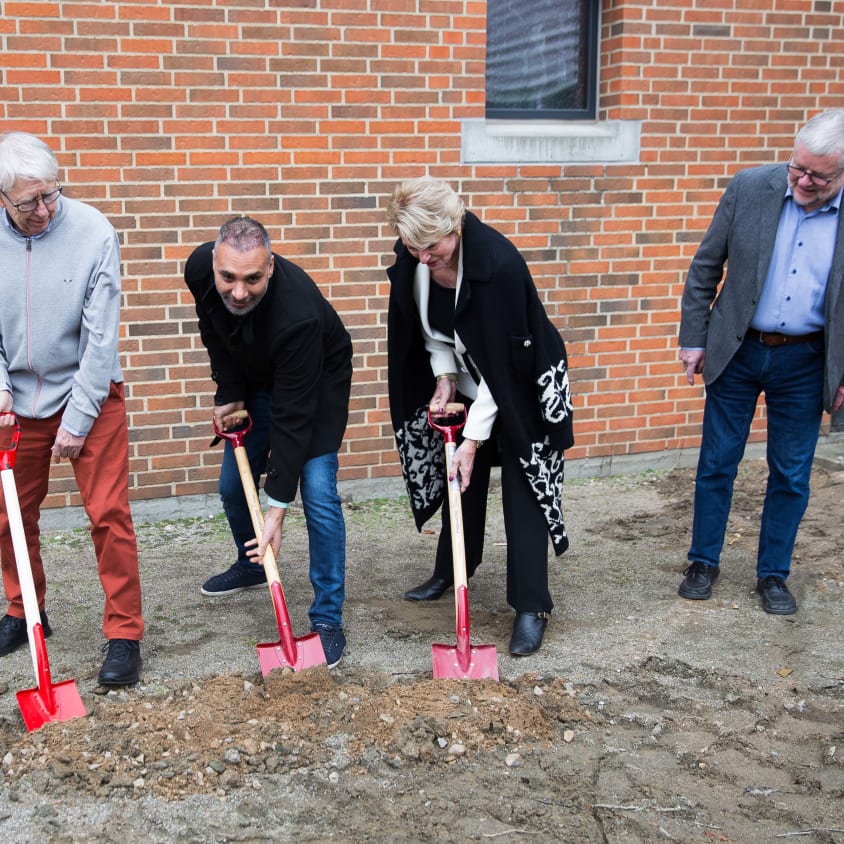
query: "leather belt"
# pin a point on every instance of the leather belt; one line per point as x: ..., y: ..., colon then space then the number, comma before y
x: 772, y: 338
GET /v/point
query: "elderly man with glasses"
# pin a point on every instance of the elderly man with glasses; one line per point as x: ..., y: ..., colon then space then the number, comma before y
x: 60, y: 379
x: 776, y: 326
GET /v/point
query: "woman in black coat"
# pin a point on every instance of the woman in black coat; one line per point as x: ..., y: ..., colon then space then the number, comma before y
x: 465, y: 324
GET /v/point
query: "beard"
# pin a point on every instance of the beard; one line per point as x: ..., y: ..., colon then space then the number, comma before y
x: 243, y: 310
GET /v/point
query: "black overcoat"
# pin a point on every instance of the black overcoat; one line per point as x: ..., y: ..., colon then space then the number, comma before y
x: 292, y: 344
x: 518, y: 352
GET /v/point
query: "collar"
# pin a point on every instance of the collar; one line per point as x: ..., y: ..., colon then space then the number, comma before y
x: 833, y: 205
x: 8, y: 220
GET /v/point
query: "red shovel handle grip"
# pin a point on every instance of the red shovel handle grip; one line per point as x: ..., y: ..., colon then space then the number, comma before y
x: 451, y: 409
x: 236, y: 436
x: 8, y: 448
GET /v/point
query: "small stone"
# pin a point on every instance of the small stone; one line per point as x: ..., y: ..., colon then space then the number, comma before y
x: 228, y: 778
x: 513, y: 760
x: 457, y: 749
x: 538, y: 691
x: 568, y: 736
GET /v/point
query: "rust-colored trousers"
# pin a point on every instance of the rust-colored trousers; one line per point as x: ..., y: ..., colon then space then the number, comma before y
x: 102, y: 476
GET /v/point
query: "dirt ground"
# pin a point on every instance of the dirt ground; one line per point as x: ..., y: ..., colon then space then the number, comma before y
x: 644, y: 717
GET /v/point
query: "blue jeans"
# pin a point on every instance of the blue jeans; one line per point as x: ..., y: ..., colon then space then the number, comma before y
x: 320, y: 502
x: 792, y: 379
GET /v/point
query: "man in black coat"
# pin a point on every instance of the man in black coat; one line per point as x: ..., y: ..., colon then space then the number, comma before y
x: 279, y: 351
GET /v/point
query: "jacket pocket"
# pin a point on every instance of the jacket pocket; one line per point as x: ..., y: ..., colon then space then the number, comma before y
x: 521, y: 353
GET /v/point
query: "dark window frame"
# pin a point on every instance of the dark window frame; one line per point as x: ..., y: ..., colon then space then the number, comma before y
x: 590, y: 104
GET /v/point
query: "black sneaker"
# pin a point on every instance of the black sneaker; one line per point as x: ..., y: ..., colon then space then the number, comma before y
x: 123, y: 662
x: 333, y: 642
x: 13, y: 632
x: 234, y: 579
x: 698, y: 580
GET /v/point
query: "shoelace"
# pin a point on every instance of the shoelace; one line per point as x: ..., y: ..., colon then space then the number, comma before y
x: 117, y: 649
x: 771, y: 582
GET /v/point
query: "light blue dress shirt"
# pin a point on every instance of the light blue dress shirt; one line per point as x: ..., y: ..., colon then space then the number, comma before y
x: 792, y: 300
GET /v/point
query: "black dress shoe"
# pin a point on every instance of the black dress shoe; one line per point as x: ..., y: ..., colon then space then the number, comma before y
x: 13, y: 632
x: 122, y: 665
x: 431, y: 590
x: 698, y: 580
x: 776, y: 599
x: 528, y: 630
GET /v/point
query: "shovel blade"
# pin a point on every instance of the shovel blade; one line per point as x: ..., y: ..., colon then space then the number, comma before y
x: 479, y: 663
x: 60, y: 703
x: 273, y: 655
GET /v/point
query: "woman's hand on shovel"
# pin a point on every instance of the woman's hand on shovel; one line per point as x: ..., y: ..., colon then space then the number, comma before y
x: 445, y: 393
x: 270, y: 536
x: 464, y: 462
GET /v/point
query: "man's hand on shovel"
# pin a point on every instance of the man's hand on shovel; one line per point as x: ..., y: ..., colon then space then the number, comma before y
x: 228, y: 416
x: 270, y: 536
x: 7, y: 419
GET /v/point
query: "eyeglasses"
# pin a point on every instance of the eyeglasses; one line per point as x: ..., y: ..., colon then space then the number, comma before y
x: 31, y: 204
x: 817, y: 181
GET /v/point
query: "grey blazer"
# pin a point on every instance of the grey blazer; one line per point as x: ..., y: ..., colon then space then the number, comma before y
x: 743, y: 230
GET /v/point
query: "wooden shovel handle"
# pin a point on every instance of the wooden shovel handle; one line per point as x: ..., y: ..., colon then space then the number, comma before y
x: 455, y: 511
x: 255, y: 511
x: 452, y: 408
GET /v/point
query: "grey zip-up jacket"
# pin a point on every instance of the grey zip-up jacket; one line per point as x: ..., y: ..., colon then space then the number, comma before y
x: 60, y: 316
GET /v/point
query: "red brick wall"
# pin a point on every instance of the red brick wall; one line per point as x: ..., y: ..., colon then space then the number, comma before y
x: 170, y: 116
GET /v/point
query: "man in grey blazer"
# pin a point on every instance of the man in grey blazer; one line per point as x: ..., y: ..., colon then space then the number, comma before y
x: 777, y: 326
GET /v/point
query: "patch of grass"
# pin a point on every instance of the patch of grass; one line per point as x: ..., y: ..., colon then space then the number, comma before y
x: 386, y: 512
x: 68, y: 539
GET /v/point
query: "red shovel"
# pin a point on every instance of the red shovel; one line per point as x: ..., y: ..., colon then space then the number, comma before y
x: 288, y: 652
x: 48, y: 701
x: 463, y: 661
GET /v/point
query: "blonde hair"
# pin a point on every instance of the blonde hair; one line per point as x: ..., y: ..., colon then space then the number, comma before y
x: 423, y: 211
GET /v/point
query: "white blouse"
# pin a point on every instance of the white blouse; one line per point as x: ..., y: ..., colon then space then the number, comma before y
x: 448, y: 354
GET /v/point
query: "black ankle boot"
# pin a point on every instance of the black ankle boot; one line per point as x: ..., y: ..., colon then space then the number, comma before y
x: 528, y: 630
x: 431, y: 590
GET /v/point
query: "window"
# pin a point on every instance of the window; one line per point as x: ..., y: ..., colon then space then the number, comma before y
x: 542, y: 59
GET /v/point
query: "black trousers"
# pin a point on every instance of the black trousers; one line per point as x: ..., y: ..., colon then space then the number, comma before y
x: 524, y: 526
